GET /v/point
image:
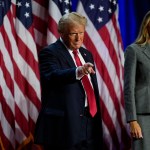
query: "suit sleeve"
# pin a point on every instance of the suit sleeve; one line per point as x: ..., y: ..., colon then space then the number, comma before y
x: 53, y: 67
x: 129, y: 83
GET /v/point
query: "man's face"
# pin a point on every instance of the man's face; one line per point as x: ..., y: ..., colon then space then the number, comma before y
x: 73, y: 36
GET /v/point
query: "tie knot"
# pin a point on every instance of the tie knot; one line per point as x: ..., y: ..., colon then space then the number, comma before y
x: 75, y: 52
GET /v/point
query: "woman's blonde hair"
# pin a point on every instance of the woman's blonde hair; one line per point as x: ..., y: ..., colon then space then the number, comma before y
x: 144, y: 34
x: 71, y: 18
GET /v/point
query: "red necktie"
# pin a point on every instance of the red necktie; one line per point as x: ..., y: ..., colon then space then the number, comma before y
x: 88, y: 87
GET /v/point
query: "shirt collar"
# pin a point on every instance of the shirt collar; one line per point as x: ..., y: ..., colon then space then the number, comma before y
x: 66, y: 46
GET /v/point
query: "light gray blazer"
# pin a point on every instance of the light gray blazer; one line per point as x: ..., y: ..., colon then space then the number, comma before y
x: 137, y: 81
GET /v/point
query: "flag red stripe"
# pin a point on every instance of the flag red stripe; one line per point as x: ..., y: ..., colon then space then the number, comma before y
x: 108, y: 121
x: 6, y: 40
x: 22, y: 121
x: 52, y: 27
x: 8, y: 113
x: 31, y: 125
x: 114, y: 21
x: 7, y: 76
x: 30, y: 92
x: 105, y: 75
x: 104, y: 34
x: 28, y: 56
x: 26, y: 88
x: 121, y: 67
x: 5, y: 141
x: 42, y: 3
x: 40, y: 25
x: 31, y: 99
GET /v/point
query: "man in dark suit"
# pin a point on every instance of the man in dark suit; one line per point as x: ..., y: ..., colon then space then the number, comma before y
x: 70, y: 117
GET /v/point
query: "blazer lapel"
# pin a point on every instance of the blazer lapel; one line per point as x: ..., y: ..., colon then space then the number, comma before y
x: 86, y: 58
x: 84, y: 55
x: 146, y: 50
x: 64, y: 52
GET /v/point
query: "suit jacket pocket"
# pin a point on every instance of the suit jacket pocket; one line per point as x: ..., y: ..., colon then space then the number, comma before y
x: 142, y: 98
x: 50, y: 127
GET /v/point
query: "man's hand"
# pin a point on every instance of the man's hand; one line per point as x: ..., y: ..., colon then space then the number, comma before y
x: 135, y: 130
x: 87, y: 68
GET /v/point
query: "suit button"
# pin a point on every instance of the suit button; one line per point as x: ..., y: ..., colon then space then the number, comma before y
x: 81, y: 115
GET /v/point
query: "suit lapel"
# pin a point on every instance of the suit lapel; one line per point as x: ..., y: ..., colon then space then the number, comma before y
x: 64, y: 53
x: 146, y: 50
x: 84, y: 55
x: 87, y: 59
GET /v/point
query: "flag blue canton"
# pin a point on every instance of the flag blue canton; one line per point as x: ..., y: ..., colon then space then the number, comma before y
x: 4, y: 8
x: 63, y: 5
x: 99, y: 11
x: 24, y: 12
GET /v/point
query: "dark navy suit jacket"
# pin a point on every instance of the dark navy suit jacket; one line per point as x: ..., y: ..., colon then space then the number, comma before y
x: 63, y: 98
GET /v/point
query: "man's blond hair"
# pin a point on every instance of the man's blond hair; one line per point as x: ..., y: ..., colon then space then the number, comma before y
x: 71, y: 18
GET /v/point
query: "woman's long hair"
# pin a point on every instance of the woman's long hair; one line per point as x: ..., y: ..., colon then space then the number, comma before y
x: 144, y: 34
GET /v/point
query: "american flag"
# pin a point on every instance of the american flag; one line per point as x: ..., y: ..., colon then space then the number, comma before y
x: 21, y: 36
x: 57, y: 8
x: 46, y: 17
x: 19, y: 75
x: 104, y: 40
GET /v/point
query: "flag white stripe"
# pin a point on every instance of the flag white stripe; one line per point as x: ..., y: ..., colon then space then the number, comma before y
x: 102, y: 51
x: 107, y: 100
x: 33, y: 111
x: 39, y: 11
x: 107, y: 137
x: 38, y: 37
x: 55, y: 13
x: 7, y: 130
x: 7, y: 93
x: 6, y: 57
x: 51, y: 37
x: 26, y: 37
x: 116, y: 76
x: 19, y: 135
x: 23, y: 67
x: 21, y: 101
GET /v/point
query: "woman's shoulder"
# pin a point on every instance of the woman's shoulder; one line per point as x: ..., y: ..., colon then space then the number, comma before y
x: 133, y: 50
x: 133, y: 47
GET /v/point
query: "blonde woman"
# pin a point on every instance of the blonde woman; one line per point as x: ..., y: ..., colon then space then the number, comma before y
x: 137, y: 87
